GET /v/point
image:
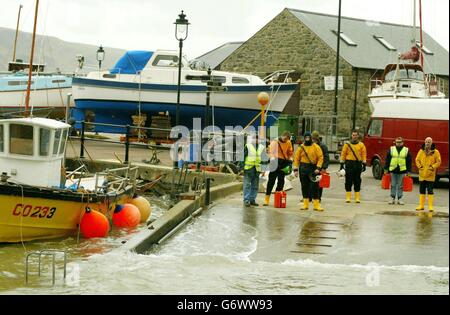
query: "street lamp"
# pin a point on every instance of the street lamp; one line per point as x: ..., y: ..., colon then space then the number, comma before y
x: 181, y: 33
x: 100, y: 56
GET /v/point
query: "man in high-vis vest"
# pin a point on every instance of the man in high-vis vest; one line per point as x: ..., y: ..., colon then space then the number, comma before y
x: 398, y: 164
x: 254, y: 156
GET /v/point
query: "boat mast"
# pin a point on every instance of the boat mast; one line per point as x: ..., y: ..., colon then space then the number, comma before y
x: 30, y: 69
x: 413, y: 37
x: 421, y: 38
x: 17, y: 33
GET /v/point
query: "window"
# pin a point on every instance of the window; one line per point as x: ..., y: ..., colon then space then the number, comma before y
x: 58, y: 81
x: 218, y: 79
x: 44, y: 141
x: 1, y: 138
x: 424, y: 48
x: 109, y: 76
x: 239, y: 80
x: 56, y: 141
x: 16, y: 83
x: 403, y: 74
x: 21, y: 139
x: 204, y: 78
x: 165, y: 61
x: 345, y: 38
x: 384, y: 42
x: 376, y: 128
x: 63, y: 142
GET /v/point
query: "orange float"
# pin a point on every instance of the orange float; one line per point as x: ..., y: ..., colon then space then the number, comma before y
x: 126, y: 215
x: 94, y: 224
x: 263, y: 98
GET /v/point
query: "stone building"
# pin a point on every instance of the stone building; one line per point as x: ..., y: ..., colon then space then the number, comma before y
x: 306, y: 42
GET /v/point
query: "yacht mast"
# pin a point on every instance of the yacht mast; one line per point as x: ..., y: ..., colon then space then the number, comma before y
x: 30, y: 69
x: 17, y: 33
x: 413, y: 37
x: 421, y: 38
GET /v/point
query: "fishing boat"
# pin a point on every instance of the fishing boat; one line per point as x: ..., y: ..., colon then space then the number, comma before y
x: 146, y: 82
x: 37, y: 199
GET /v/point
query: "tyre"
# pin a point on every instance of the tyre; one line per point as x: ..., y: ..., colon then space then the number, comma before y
x: 377, y: 169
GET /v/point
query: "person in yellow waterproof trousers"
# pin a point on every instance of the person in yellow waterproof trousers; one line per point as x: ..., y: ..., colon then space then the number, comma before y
x: 428, y: 160
x: 308, y: 161
x: 353, y: 160
x: 280, y: 154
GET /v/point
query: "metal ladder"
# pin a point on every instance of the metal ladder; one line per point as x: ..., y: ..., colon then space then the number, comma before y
x: 47, y: 252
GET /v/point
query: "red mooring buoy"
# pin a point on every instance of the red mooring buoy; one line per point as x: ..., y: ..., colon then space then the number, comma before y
x: 126, y: 215
x: 94, y: 224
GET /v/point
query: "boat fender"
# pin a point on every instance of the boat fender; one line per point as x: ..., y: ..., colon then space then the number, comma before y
x: 94, y: 224
x: 144, y: 207
x: 126, y: 215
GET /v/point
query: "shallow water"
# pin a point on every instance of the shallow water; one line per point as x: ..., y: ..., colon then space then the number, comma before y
x: 224, y: 251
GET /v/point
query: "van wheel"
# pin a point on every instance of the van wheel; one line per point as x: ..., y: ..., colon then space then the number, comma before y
x: 377, y: 170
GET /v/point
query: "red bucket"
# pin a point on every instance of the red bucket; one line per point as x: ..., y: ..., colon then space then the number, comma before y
x: 386, y: 181
x: 407, y: 184
x: 280, y: 199
x: 325, y: 181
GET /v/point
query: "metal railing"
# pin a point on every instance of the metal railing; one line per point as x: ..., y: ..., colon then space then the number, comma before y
x: 128, y: 135
x: 39, y: 254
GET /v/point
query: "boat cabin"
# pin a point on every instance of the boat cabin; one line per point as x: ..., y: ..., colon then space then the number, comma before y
x: 405, y: 72
x: 32, y: 150
x: 161, y: 67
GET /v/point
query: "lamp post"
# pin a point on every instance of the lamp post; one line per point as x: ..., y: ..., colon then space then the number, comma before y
x: 336, y: 77
x: 181, y: 33
x: 100, y: 56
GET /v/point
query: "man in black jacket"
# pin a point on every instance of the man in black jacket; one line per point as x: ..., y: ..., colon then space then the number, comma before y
x: 326, y: 156
x: 398, y: 164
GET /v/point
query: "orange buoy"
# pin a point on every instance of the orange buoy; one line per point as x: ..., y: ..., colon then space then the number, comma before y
x: 126, y: 215
x: 263, y: 98
x: 144, y: 207
x: 94, y: 224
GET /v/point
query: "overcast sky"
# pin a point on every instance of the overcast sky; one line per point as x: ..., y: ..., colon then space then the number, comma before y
x: 148, y: 24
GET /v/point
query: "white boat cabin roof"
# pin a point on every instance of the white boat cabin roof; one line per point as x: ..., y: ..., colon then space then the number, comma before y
x: 37, y: 121
x: 424, y: 109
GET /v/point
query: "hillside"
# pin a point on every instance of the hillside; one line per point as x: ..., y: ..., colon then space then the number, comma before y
x: 56, y: 52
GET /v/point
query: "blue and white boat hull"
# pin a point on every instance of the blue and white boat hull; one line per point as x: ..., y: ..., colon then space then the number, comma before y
x: 48, y: 94
x: 114, y: 102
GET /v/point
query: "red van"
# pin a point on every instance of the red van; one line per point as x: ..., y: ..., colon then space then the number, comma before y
x: 412, y: 119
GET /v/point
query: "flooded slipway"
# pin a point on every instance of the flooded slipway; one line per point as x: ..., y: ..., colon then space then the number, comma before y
x: 229, y: 250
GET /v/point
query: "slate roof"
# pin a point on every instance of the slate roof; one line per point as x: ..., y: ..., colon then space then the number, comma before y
x: 369, y: 53
x: 215, y: 57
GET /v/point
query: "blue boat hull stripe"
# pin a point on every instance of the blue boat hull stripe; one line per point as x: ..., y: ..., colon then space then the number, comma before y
x: 186, y: 88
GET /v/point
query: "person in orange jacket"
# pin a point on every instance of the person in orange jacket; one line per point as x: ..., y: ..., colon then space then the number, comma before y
x: 428, y: 160
x: 309, y: 160
x: 353, y: 160
x: 280, y: 154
